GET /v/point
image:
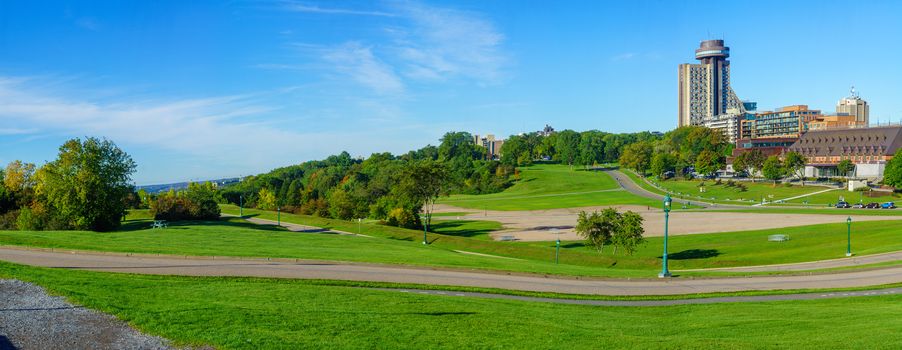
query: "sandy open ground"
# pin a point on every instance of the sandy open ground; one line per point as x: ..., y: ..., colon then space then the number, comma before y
x: 540, y: 225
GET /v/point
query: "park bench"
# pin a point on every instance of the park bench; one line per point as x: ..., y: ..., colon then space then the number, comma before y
x: 507, y: 238
x: 159, y: 224
x: 778, y: 238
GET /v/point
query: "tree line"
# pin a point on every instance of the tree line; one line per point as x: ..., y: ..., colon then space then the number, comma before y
x: 87, y: 187
x: 398, y: 190
x: 569, y: 147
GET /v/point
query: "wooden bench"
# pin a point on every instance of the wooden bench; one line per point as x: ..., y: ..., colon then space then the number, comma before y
x: 159, y: 224
x: 508, y: 238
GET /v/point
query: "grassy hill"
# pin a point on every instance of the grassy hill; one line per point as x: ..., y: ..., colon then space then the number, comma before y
x: 257, y: 313
x: 549, y: 186
x: 392, y: 245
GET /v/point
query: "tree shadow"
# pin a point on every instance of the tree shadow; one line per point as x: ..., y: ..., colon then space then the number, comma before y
x: 443, y: 313
x: 140, y: 225
x: 452, y: 228
x: 693, y: 254
x: 573, y: 245
x: 5, y: 344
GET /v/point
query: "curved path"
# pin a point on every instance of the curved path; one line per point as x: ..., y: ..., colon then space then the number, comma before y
x: 627, y: 184
x: 289, y: 268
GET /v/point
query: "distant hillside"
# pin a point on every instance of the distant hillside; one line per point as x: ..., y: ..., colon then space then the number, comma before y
x: 183, y: 185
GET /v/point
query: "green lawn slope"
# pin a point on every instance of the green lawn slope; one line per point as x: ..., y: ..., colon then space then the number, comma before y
x: 244, y: 313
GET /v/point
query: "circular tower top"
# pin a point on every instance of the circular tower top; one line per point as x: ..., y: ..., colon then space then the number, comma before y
x: 712, y: 49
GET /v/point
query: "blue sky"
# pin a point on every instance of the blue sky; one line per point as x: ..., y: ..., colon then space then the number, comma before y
x: 197, y: 90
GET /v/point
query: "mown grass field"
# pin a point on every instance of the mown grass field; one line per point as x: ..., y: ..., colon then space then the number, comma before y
x: 756, y: 191
x: 550, y: 186
x: 391, y: 245
x: 767, y: 191
x: 249, y: 313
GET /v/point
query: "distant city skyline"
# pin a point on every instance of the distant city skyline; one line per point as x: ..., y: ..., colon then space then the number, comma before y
x: 196, y: 91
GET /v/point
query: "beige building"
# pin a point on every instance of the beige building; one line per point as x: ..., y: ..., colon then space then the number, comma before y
x: 854, y: 106
x: 704, y: 88
x: 492, y: 145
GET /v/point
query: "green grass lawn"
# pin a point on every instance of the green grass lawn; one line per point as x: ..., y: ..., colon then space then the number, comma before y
x: 823, y: 199
x: 250, y: 313
x: 392, y: 245
x: 689, y: 189
x: 722, y: 193
x: 549, y: 186
x: 808, y: 243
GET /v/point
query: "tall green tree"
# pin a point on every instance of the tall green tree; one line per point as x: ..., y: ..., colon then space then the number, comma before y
x: 87, y: 184
x: 628, y: 232
x: 567, y: 146
x: 591, y: 148
x: 637, y: 156
x: 892, y: 174
x: 422, y: 183
x: 773, y: 169
x: 845, y: 167
x: 708, y: 162
x: 662, y: 163
x: 266, y: 199
x: 795, y: 164
x: 597, y: 228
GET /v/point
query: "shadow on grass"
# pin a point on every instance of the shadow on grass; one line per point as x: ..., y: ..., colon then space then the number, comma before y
x: 137, y: 225
x: 693, y: 254
x: 444, y: 313
x: 453, y: 228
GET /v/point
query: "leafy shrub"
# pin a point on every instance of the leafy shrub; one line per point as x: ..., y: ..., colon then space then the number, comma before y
x: 8, y: 220
x: 403, y: 218
x: 174, y: 207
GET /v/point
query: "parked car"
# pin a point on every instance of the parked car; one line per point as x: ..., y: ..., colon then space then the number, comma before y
x: 843, y: 204
x: 858, y: 206
x: 888, y: 205
x: 872, y: 205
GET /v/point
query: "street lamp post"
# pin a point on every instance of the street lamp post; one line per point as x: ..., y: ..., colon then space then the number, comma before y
x: 557, y: 252
x: 849, y: 236
x: 241, y: 205
x: 278, y: 216
x: 664, y: 271
x: 359, y: 221
x: 424, y: 235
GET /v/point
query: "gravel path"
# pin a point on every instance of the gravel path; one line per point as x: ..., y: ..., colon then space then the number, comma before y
x: 31, y: 319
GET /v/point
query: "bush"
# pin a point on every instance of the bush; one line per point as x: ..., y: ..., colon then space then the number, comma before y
x: 29, y: 220
x: 8, y: 220
x: 175, y: 208
x: 403, y: 218
x: 742, y: 187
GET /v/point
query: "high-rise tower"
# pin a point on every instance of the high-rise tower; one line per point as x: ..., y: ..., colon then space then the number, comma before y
x: 704, y: 91
x: 855, y: 106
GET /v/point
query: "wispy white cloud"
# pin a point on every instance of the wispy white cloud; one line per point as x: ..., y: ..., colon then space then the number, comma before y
x: 16, y: 131
x: 207, y: 137
x: 424, y: 44
x: 311, y: 8
x: 207, y: 127
x: 443, y: 43
x: 359, y: 63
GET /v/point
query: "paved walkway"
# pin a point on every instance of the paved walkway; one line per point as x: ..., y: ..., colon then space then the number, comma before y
x: 401, y: 274
x: 815, y: 265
